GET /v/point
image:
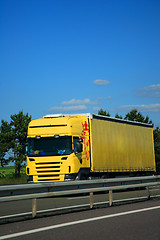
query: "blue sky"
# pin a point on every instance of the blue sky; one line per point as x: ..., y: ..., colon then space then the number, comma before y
x: 59, y: 56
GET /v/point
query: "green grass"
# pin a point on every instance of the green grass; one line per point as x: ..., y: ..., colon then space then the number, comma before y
x: 7, y: 176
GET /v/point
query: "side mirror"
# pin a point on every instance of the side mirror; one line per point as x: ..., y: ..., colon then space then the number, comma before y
x: 79, y: 147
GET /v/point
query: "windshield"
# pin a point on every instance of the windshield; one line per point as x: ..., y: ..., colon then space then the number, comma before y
x: 49, y: 146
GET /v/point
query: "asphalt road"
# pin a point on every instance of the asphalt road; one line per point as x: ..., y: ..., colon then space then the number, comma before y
x: 128, y: 222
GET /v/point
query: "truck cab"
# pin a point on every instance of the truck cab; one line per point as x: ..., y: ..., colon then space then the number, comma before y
x: 58, y: 148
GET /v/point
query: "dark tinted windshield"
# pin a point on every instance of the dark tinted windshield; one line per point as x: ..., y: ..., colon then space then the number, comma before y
x: 49, y: 146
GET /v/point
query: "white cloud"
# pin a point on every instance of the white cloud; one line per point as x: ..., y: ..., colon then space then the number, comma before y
x: 152, y: 91
x: 101, y: 82
x: 151, y: 88
x: 104, y: 98
x: 68, y: 108
x: 149, y: 94
x: 80, y: 102
x: 75, y: 105
x: 142, y: 108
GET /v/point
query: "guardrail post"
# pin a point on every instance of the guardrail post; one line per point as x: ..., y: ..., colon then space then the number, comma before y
x: 148, y: 193
x: 110, y: 198
x: 34, y: 207
x: 91, y: 199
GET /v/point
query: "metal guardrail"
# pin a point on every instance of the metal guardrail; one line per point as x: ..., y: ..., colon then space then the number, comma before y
x: 57, y: 189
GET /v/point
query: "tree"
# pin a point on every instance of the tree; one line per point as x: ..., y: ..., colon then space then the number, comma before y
x: 5, y: 141
x: 118, y: 116
x: 103, y: 113
x: 19, y: 124
x: 156, y: 134
x: 13, y: 140
x: 136, y: 116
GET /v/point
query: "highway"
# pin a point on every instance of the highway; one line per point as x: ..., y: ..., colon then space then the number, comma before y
x: 138, y: 221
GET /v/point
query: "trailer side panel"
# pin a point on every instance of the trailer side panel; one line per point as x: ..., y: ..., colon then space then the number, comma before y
x: 117, y: 146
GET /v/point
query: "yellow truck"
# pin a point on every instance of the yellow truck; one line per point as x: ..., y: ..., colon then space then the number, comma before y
x: 86, y: 146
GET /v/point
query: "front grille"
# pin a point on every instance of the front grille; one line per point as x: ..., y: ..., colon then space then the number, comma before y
x: 48, y: 176
x: 48, y: 171
x: 47, y: 163
x: 48, y: 167
x: 49, y: 180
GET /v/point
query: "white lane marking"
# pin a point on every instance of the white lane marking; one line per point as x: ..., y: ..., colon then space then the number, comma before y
x: 76, y: 222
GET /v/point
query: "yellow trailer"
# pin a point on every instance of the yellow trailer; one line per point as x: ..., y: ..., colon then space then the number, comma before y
x: 69, y: 147
x: 121, y: 146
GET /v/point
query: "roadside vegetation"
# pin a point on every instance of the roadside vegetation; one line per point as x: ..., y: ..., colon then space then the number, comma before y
x: 13, y: 143
x: 7, y: 175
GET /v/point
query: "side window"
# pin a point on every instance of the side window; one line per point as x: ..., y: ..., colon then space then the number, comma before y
x: 75, y: 140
